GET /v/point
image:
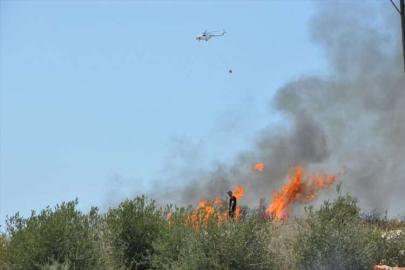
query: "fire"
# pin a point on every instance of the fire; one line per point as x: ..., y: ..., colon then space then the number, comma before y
x: 258, y: 167
x: 207, y: 210
x: 218, y: 201
x: 303, y: 188
x: 239, y: 192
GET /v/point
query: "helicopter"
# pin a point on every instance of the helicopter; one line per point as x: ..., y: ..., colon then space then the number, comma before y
x: 207, y: 35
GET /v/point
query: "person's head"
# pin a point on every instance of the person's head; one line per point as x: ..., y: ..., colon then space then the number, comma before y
x: 229, y: 193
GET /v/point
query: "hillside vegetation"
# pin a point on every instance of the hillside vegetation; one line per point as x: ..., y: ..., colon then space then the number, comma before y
x: 138, y: 235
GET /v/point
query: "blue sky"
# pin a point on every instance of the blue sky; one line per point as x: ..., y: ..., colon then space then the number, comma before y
x: 90, y: 90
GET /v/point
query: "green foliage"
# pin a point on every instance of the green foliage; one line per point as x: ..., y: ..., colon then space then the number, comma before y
x: 137, y: 235
x: 63, y: 234
x: 229, y: 244
x: 335, y: 238
x: 3, y: 251
x: 391, y: 245
x: 55, y: 265
x: 283, y: 238
x: 389, y: 237
x: 134, y: 225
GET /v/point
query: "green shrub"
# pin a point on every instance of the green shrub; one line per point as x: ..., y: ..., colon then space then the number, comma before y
x: 3, y: 252
x: 389, y: 237
x: 334, y: 237
x: 61, y: 235
x: 391, y: 246
x: 283, y: 238
x: 137, y: 235
x: 225, y: 244
x: 133, y: 226
x: 55, y: 265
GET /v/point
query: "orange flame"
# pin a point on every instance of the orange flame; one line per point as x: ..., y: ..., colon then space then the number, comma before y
x: 218, y: 201
x: 258, y: 167
x: 303, y: 188
x: 239, y: 192
x: 208, y: 210
x: 237, y: 212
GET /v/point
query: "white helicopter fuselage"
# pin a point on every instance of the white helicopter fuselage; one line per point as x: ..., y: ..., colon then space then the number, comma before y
x: 203, y: 37
x: 207, y: 36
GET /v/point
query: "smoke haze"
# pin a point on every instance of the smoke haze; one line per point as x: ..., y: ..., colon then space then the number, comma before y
x: 352, y: 115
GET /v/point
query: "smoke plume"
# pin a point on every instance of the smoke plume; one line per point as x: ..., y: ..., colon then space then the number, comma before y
x: 353, y: 115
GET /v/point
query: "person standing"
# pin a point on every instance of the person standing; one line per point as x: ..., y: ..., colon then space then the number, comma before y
x: 232, y: 204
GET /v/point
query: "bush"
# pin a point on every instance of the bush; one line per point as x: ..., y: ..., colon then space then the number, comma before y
x: 137, y: 235
x: 283, y: 238
x: 391, y: 246
x: 334, y: 237
x: 133, y: 227
x: 3, y: 250
x: 215, y: 244
x: 60, y: 235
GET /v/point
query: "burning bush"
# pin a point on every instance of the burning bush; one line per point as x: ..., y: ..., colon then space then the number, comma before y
x: 210, y: 210
x: 303, y: 188
x: 239, y: 244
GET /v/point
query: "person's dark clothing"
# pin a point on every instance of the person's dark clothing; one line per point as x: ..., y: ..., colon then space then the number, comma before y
x: 231, y: 214
x: 232, y: 206
x: 232, y: 203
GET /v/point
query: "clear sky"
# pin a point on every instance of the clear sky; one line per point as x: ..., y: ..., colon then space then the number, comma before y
x: 91, y: 90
